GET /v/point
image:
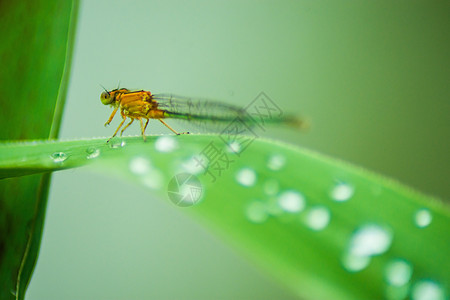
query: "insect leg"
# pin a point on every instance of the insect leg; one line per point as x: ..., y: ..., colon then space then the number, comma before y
x: 172, y: 128
x: 132, y: 120
x: 120, y: 125
x: 111, y: 116
x: 145, y: 127
x: 142, y: 129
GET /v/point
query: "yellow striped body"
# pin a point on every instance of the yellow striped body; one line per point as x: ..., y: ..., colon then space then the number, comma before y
x: 134, y: 105
x: 138, y: 104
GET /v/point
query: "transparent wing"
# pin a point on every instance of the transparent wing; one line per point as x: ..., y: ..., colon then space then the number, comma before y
x: 206, y: 115
x: 213, y: 116
x: 187, y: 107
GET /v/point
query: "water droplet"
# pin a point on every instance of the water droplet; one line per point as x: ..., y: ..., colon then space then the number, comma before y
x: 59, y: 157
x: 166, y: 144
x: 342, y: 192
x: 354, y: 263
x: 367, y: 241
x: 152, y: 179
x: 291, y: 201
x: 276, y: 162
x: 192, y: 165
x: 427, y: 290
x: 423, y: 218
x: 117, y: 143
x: 92, y: 152
x: 256, y: 212
x: 246, y: 177
x: 139, y: 165
x: 271, y: 187
x: 234, y: 147
x: 370, y: 240
x: 398, y: 272
x: 318, y: 218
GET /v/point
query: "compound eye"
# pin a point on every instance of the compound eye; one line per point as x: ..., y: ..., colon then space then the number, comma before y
x: 105, y: 97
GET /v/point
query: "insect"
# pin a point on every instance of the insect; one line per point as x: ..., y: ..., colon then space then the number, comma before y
x: 143, y: 105
x: 134, y: 105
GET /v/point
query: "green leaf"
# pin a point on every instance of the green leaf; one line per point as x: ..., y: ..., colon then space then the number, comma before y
x: 35, y: 51
x: 324, y: 228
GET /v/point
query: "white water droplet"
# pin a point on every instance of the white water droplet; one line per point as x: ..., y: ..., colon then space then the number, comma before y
x: 342, y: 192
x: 318, y: 218
x: 291, y: 201
x: 166, y: 144
x: 192, y: 165
x: 427, y: 290
x: 246, y: 177
x: 59, y: 157
x: 370, y: 240
x: 256, y: 212
x: 398, y: 272
x: 139, y: 165
x: 92, y: 152
x: 116, y: 143
x: 423, y: 218
x: 276, y: 162
x: 354, y: 263
x: 152, y: 179
x: 234, y: 147
x: 367, y: 241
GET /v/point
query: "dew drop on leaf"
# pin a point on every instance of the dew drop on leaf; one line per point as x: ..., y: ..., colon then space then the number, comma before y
x: 342, y: 192
x: 139, y: 165
x: 318, y: 218
x: 291, y: 201
x: 92, y: 152
x: 398, y: 272
x: 423, y: 218
x: 246, y: 177
x: 353, y: 263
x: 59, y: 157
x: 366, y: 241
x: 276, y: 162
x: 166, y: 144
x: 370, y: 240
x: 256, y: 212
x: 192, y: 165
x: 234, y: 147
x: 117, y: 143
x: 427, y: 290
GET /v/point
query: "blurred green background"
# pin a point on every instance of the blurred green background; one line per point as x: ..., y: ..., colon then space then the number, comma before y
x: 373, y: 78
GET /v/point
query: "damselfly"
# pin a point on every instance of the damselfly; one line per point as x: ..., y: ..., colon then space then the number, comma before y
x: 139, y: 105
